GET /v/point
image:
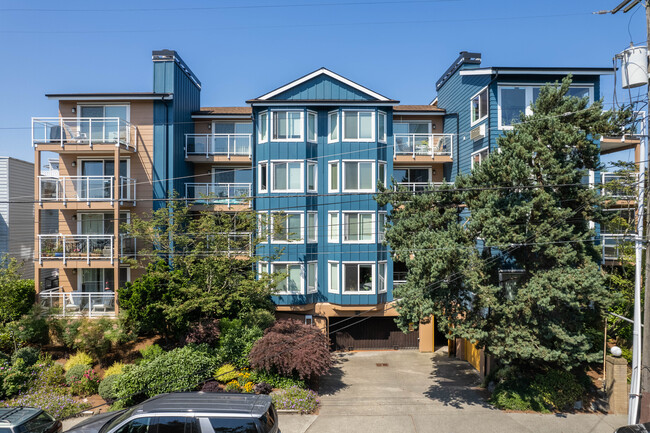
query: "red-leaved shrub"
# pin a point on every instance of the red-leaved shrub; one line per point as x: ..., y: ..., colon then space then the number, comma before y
x: 205, y: 331
x: 290, y: 347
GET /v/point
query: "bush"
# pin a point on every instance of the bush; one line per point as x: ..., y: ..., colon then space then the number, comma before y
x: 107, y: 389
x: 28, y: 354
x: 54, y: 401
x: 291, y: 347
x: 275, y: 380
x: 17, y: 296
x: 559, y: 388
x: 205, y: 331
x: 65, y: 331
x: 237, y: 341
x: 16, y: 378
x: 263, y: 388
x: 295, y: 398
x: 182, y: 369
x: 75, y: 373
x: 31, y: 328
x: 116, y: 368
x: 95, y: 337
x: 233, y: 386
x: 49, y: 375
x: 211, y: 386
x: 226, y: 373
x: 79, y: 358
x: 87, y: 384
x: 150, y: 353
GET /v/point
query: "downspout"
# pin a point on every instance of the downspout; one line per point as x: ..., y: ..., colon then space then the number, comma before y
x: 489, y: 119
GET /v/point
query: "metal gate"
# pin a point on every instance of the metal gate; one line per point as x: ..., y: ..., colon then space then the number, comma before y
x: 374, y: 333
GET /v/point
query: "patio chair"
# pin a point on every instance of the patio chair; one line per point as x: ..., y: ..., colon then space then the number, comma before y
x: 71, y: 303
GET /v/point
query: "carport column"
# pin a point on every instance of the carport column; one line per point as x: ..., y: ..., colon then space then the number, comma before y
x: 616, y: 385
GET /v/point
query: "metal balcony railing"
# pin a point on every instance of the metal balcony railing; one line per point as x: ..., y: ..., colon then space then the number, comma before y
x: 218, y: 193
x: 218, y: 145
x: 84, y: 188
x: 618, y: 186
x: 75, y: 247
x: 83, y: 130
x: 59, y: 303
x: 417, y: 186
x: 424, y: 145
x: 232, y: 244
x: 613, y: 245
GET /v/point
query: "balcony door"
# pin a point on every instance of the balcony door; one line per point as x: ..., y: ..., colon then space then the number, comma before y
x: 232, y: 182
x: 98, y: 279
x: 103, y: 129
x: 97, y: 187
x: 408, y: 134
x: 232, y: 137
x: 98, y: 223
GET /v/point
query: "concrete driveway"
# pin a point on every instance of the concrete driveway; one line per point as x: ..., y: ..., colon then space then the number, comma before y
x: 408, y: 391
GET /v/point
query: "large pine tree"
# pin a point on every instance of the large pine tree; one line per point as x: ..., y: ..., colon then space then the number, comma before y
x: 527, y: 211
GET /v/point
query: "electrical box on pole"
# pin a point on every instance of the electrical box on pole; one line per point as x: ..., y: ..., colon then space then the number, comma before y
x: 634, y: 67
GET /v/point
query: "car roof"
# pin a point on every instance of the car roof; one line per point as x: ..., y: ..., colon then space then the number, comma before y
x: 13, y: 416
x: 206, y: 402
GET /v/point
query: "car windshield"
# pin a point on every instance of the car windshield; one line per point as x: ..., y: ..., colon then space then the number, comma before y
x: 118, y: 418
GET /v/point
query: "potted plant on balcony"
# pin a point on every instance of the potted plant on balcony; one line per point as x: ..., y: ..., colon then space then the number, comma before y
x: 97, y: 252
x: 58, y: 251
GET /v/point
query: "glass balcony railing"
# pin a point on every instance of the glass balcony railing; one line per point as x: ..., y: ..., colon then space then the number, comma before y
x: 417, y: 186
x: 218, y: 145
x: 84, y: 188
x: 228, y: 194
x: 619, y: 186
x: 83, y: 130
x: 75, y: 247
x: 60, y: 303
x: 424, y: 145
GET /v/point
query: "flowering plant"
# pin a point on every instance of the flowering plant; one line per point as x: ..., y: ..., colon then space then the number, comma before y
x: 295, y: 398
x: 87, y: 384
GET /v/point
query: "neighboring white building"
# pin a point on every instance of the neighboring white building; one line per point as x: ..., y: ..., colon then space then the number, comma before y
x: 17, y: 212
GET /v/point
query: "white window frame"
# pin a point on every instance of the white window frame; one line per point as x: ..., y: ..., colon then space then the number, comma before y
x: 528, y: 87
x: 104, y: 105
x: 329, y: 127
x: 287, y: 161
x: 373, y: 278
x: 314, y: 215
x: 259, y: 176
x: 301, y: 123
x: 302, y: 278
x: 381, y: 234
x: 263, y: 138
x: 383, y: 164
x: 373, y: 126
x: 263, y: 232
x: 313, y: 114
x: 372, y: 227
x: 382, y: 115
x: 329, y: 176
x: 373, y: 183
x: 313, y: 166
x: 262, y: 268
x: 301, y: 231
x: 330, y: 265
x: 478, y: 152
x: 471, y: 111
x: 311, y: 289
x: 333, y: 228
x: 382, y: 288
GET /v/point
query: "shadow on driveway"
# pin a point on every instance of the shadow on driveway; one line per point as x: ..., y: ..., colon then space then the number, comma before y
x: 332, y: 383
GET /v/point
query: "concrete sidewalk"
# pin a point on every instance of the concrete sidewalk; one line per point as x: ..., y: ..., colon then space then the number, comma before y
x: 421, y: 393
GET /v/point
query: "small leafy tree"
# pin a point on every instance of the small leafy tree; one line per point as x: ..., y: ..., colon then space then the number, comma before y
x: 290, y: 347
x: 17, y: 295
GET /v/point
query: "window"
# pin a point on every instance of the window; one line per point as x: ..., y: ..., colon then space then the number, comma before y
x: 287, y: 227
x: 381, y: 226
x: 509, y: 280
x: 309, y: 320
x: 358, y: 125
x: 233, y: 425
x: 357, y: 277
x: 333, y: 126
x: 478, y: 157
x: 312, y: 177
x: 262, y: 268
x: 263, y: 174
x: 357, y: 227
x: 358, y: 176
x: 381, y: 173
x: 286, y: 176
x: 333, y: 274
x: 312, y: 126
x: 292, y: 284
x: 263, y: 126
x: 333, y: 176
x: 41, y: 424
x: 333, y: 227
x: 263, y: 227
x: 381, y: 126
x: 417, y: 127
x: 286, y: 125
x: 312, y: 226
x: 312, y: 277
x: 381, y: 270
x: 138, y: 425
x: 170, y: 424
x: 479, y: 106
x: 514, y: 100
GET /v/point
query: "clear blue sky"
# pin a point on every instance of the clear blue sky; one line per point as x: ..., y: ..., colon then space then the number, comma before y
x: 242, y: 49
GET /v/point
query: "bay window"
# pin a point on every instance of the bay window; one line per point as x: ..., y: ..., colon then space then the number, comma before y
x: 287, y: 125
x: 358, y: 125
x: 478, y: 157
x: 312, y: 277
x: 381, y: 270
x: 312, y: 126
x: 287, y: 227
x: 358, y: 176
x: 333, y: 126
x: 292, y: 284
x: 357, y: 227
x: 358, y: 277
x: 381, y: 126
x: 333, y: 227
x: 381, y: 226
x: 262, y: 175
x: 333, y: 176
x: 333, y: 277
x: 479, y: 106
x: 263, y: 126
x: 312, y: 176
x: 312, y: 226
x: 287, y: 176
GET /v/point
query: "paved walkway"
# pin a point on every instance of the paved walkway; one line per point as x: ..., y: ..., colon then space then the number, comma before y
x: 419, y: 392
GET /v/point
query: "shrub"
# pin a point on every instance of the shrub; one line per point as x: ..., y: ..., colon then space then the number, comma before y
x: 275, y: 380
x: 16, y: 378
x: 52, y: 400
x: 49, y: 375
x: 75, y: 373
x: 205, y: 331
x: 232, y: 386
x: 87, y: 384
x: 178, y: 370
x: 248, y: 388
x: 295, y: 398
x: 31, y: 328
x: 116, y: 368
x: 518, y: 395
x: 244, y: 377
x: 106, y: 388
x: 292, y: 347
x: 211, y: 386
x: 559, y: 388
x: 65, y: 331
x: 28, y: 354
x: 79, y: 358
x: 149, y: 353
x: 226, y: 373
x: 263, y: 388
x: 17, y: 296
x: 236, y: 341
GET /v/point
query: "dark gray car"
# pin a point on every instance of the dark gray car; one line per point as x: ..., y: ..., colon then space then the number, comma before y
x: 189, y: 412
x: 27, y: 420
